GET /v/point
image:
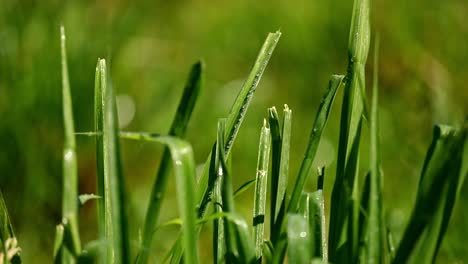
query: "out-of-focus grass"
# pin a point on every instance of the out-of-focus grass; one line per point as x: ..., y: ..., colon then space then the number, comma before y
x: 422, y: 77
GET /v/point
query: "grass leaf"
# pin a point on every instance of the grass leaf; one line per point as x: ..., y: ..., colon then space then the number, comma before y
x: 116, y: 231
x: 69, y: 165
x: 179, y: 126
x: 438, y: 185
x: 345, y: 206
x: 261, y: 190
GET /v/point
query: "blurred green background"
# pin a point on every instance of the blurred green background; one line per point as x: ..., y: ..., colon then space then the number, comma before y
x: 151, y: 45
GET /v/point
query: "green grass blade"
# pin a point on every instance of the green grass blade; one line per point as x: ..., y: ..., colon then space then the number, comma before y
x: 184, y: 170
x: 344, y: 205
x: 244, y: 187
x: 261, y: 190
x: 116, y: 232
x: 298, y: 239
x: 438, y: 185
x: 280, y: 166
x: 7, y: 236
x: 178, y: 129
x: 234, y: 121
x: 69, y: 166
x: 319, y: 124
x: 375, y: 229
x: 219, y: 240
x: 237, y: 114
x: 99, y: 159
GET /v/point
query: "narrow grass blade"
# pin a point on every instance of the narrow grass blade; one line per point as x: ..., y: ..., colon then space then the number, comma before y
x: 116, y: 231
x: 298, y: 239
x: 306, y: 165
x: 98, y: 118
x: 438, y: 185
x: 179, y: 126
x: 280, y: 167
x: 69, y: 169
x: 319, y: 124
x: 345, y: 205
x: 261, y: 190
x: 11, y: 250
x: 375, y: 228
x: 244, y: 187
x: 234, y: 121
x: 219, y: 240
x: 239, y: 246
x: 237, y: 114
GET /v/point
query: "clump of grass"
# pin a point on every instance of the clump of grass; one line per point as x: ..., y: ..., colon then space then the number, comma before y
x: 357, y: 231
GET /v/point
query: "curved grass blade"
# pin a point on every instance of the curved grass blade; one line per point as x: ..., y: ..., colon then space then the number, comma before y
x: 298, y: 239
x: 69, y: 166
x: 261, y: 190
x: 11, y: 250
x: 220, y: 244
x: 345, y: 206
x: 244, y: 187
x: 178, y: 129
x: 438, y: 185
x: 184, y: 170
x: 234, y: 121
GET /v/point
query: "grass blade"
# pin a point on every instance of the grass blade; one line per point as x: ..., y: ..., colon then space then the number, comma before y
x: 319, y: 124
x: 116, y: 232
x: 438, y: 185
x: 178, y: 129
x: 280, y: 167
x: 220, y: 243
x: 98, y: 119
x: 11, y: 251
x: 344, y: 205
x: 261, y: 190
x: 375, y: 228
x: 304, y: 171
x: 205, y: 185
x: 298, y: 239
x: 184, y: 170
x: 69, y: 166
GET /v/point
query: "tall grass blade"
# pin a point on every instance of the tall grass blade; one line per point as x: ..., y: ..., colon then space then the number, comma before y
x: 205, y: 185
x: 69, y: 166
x: 438, y: 185
x: 261, y: 190
x: 280, y: 166
x: 11, y: 250
x: 375, y: 229
x: 298, y: 240
x: 98, y: 119
x: 345, y: 205
x: 179, y: 126
x: 306, y: 165
x: 219, y: 240
x: 314, y: 140
x: 116, y: 231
